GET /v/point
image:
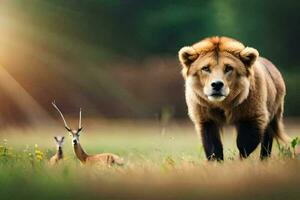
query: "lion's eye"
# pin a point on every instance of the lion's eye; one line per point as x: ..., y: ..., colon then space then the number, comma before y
x: 228, y: 68
x: 205, y: 68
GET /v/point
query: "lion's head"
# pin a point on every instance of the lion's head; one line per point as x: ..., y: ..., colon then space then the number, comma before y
x: 218, y: 68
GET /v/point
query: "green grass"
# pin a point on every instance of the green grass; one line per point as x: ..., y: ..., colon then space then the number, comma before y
x: 159, y: 164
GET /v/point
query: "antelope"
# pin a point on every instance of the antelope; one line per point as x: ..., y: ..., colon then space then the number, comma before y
x: 108, y: 159
x: 59, y: 154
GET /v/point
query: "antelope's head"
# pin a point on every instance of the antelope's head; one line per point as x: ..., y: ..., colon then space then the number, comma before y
x: 74, y: 133
x: 59, y: 140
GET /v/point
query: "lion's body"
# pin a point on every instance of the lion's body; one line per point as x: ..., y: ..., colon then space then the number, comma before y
x: 265, y: 97
x: 254, y: 99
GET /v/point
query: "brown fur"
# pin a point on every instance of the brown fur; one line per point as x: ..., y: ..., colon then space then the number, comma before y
x: 253, y: 95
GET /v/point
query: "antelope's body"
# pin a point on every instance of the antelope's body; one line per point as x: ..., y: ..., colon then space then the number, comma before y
x: 108, y: 159
x: 57, y: 157
x: 59, y: 154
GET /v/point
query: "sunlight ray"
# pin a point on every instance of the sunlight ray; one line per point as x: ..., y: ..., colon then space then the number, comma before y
x: 31, y: 108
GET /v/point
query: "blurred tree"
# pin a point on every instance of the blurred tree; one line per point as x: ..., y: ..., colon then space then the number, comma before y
x: 89, y: 47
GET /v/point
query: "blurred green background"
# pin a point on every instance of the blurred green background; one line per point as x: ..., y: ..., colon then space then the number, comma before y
x: 118, y: 59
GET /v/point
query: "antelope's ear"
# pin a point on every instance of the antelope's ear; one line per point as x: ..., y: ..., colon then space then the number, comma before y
x: 55, y: 138
x: 249, y: 56
x: 187, y: 55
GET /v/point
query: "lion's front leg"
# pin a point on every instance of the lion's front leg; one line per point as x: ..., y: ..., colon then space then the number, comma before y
x: 248, y: 137
x: 210, y: 135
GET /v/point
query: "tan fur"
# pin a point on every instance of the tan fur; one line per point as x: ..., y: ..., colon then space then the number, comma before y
x: 54, y: 160
x: 59, y: 153
x: 107, y: 159
x: 256, y: 88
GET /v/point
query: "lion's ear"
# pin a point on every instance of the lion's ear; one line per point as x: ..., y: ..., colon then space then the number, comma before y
x: 249, y: 56
x: 187, y: 55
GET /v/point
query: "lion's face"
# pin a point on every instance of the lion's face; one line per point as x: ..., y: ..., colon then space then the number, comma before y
x: 217, y: 75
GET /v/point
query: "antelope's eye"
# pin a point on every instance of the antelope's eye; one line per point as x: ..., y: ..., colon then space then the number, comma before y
x: 228, y: 68
x: 205, y: 68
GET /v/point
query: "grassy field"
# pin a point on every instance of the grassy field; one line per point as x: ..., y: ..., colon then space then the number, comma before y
x: 160, y: 163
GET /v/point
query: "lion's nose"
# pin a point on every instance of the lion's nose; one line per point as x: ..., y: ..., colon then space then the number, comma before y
x: 217, y: 85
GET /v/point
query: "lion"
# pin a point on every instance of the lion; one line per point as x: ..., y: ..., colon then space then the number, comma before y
x: 228, y: 83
